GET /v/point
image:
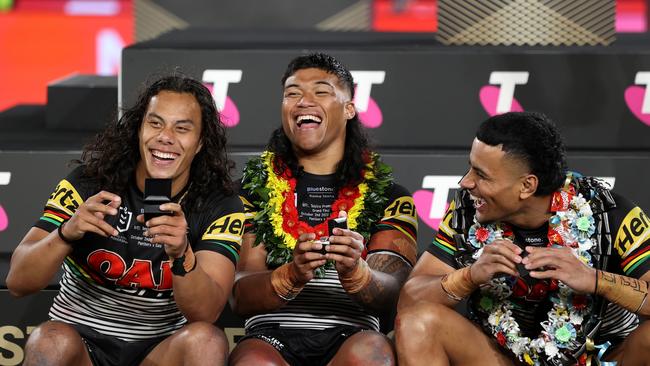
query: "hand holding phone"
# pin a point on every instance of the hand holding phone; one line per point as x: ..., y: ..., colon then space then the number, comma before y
x: 156, y: 193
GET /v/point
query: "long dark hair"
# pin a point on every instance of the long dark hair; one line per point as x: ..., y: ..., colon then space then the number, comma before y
x: 111, y: 158
x: 357, y: 144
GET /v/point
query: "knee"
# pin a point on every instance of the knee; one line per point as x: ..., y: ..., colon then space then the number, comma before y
x: 368, y: 348
x: 420, y: 321
x: 252, y: 353
x: 203, y: 337
x: 53, y: 342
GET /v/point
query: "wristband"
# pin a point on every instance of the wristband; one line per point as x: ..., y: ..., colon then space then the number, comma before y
x: 60, y: 232
x: 458, y: 284
x: 358, y: 279
x: 283, y: 284
x: 184, y: 264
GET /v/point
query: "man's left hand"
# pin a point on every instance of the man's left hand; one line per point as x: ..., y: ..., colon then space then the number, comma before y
x: 345, y: 249
x: 169, y: 230
x: 560, y: 264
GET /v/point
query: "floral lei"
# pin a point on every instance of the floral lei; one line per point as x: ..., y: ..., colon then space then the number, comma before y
x: 277, y: 223
x: 572, y: 225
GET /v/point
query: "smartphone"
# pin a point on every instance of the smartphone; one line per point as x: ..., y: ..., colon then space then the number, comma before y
x: 340, y: 222
x: 156, y: 192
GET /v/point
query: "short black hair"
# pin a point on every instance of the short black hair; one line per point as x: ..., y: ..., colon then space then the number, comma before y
x: 532, y: 138
x: 323, y: 62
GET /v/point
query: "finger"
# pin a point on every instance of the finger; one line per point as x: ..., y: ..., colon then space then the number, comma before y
x: 103, y: 196
x: 306, y: 237
x: 341, y: 259
x: 140, y: 218
x: 313, y: 256
x: 172, y: 207
x: 100, y: 207
x: 347, y: 232
x: 346, y: 241
x: 497, y: 260
x: 167, y: 230
x: 506, y: 270
x: 504, y: 251
x: 97, y: 226
x: 505, y: 243
x: 549, y: 274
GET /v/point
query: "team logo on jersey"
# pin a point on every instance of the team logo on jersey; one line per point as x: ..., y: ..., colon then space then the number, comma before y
x: 226, y: 228
x: 637, y: 97
x: 217, y: 81
x: 501, y: 99
x: 123, y: 219
x: 65, y: 198
x: 634, y: 230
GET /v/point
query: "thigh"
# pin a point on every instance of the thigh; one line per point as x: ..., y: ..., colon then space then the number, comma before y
x: 365, y: 348
x: 635, y: 349
x: 254, y: 351
x: 430, y: 331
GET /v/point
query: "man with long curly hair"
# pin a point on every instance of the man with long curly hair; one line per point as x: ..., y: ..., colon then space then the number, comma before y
x: 309, y: 301
x: 134, y: 291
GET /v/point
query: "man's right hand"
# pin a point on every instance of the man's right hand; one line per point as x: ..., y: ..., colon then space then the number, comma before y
x: 306, y: 258
x: 501, y: 256
x: 90, y: 215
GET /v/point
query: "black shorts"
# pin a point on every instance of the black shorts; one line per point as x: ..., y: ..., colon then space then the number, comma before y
x: 110, y: 351
x: 305, y: 346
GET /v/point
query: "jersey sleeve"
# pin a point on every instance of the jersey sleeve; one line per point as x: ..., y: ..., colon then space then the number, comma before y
x: 224, y: 229
x: 399, y: 215
x: 64, y: 201
x: 250, y: 210
x: 443, y: 245
x: 631, y: 235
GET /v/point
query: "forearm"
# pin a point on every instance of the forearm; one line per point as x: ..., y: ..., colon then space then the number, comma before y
x: 629, y: 293
x: 377, y: 289
x: 198, y: 296
x: 262, y: 292
x: 34, y: 264
x: 448, y: 289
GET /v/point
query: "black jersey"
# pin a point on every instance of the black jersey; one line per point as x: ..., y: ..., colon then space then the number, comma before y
x: 323, y: 303
x: 122, y: 285
x: 630, y: 231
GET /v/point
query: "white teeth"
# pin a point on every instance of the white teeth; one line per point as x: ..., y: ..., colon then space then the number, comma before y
x: 308, y: 117
x: 478, y: 202
x: 163, y: 155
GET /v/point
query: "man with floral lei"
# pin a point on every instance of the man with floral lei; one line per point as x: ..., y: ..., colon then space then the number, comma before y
x: 554, y: 266
x: 314, y: 296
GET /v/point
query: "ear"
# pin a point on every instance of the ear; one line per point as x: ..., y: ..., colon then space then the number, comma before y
x: 350, y: 110
x: 200, y: 146
x: 529, y: 184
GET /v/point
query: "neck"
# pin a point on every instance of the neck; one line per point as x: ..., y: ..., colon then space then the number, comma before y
x: 321, y: 163
x: 534, y: 214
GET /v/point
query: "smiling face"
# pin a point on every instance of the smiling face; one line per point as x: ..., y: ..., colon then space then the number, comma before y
x: 498, y: 184
x: 315, y: 110
x: 170, y: 137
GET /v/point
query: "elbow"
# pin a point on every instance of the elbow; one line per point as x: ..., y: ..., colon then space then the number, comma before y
x: 15, y: 289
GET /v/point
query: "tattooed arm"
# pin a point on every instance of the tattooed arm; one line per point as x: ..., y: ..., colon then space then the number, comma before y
x: 627, y: 292
x: 374, y: 283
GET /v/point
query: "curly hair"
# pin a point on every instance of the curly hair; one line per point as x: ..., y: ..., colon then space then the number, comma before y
x: 111, y: 158
x: 357, y: 144
x: 532, y: 138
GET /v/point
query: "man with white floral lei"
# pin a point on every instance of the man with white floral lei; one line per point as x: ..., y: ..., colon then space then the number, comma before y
x: 553, y: 265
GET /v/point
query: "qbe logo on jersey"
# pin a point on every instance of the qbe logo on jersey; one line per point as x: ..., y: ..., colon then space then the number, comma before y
x: 501, y: 98
x: 637, y: 97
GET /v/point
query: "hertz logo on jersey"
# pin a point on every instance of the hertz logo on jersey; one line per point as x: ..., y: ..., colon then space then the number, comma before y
x: 634, y: 230
x: 226, y: 228
x: 65, y: 198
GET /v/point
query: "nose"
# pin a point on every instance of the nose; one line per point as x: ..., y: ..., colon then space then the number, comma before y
x: 166, y: 136
x: 466, y: 182
x: 306, y: 100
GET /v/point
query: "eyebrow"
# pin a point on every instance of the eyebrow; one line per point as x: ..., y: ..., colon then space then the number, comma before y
x: 319, y: 82
x: 154, y: 115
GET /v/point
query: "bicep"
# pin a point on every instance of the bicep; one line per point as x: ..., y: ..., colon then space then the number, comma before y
x: 251, y: 258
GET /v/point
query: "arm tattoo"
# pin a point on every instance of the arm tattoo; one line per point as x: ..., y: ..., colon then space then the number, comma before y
x: 389, y: 272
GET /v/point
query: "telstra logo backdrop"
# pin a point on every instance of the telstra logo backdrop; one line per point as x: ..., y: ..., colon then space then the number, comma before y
x: 5, y: 177
x: 637, y: 97
x: 369, y: 112
x: 501, y: 99
x: 217, y: 81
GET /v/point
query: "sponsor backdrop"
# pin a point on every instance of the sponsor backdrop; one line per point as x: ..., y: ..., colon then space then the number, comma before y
x: 422, y: 107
